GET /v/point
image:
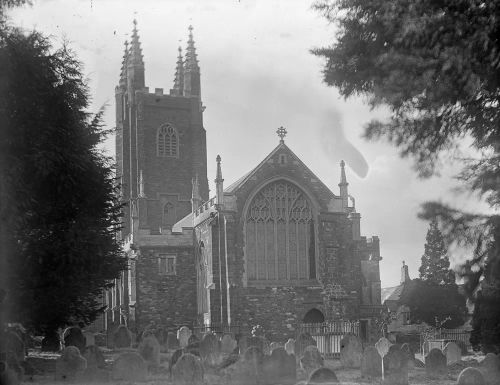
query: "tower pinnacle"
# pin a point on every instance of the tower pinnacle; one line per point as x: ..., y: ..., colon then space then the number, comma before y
x: 123, y: 71
x: 191, y: 69
x: 135, y: 64
x: 344, y: 194
x: 179, y: 75
x: 219, y: 188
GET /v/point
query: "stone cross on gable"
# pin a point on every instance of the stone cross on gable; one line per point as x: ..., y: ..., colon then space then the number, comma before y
x: 281, y: 133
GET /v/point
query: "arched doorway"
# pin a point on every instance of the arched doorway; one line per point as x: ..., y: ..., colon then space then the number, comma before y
x: 313, y: 316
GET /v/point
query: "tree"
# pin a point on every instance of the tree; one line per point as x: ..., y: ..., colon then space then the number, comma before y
x: 436, y: 66
x: 435, y: 266
x: 59, y: 208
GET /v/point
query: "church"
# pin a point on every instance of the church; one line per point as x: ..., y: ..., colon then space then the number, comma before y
x: 276, y: 248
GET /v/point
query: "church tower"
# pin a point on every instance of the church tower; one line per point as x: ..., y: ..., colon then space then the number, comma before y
x: 160, y: 141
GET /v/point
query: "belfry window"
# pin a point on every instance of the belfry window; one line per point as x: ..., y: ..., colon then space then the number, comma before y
x: 280, y: 235
x: 167, y: 141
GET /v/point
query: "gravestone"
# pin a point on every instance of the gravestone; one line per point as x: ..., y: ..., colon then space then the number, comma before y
x: 435, y: 363
x: 71, y: 364
x: 210, y: 349
x: 228, y: 344
x: 471, y: 376
x: 149, y: 349
x: 172, y: 341
x: 255, y: 341
x: 351, y: 351
x: 183, y: 335
x: 15, y: 345
x: 290, y: 346
x: 122, y: 337
x: 371, y: 363
x: 382, y: 346
x: 266, y: 346
x: 490, y: 367
x: 89, y: 338
x: 130, y: 367
x: 254, y: 355
x: 279, y: 368
x: 73, y: 336
x: 188, y: 370
x: 395, y: 367
x: 311, y: 359
x: 409, y: 352
x: 94, y: 357
x: 322, y: 376
x: 453, y: 353
x: 302, y: 342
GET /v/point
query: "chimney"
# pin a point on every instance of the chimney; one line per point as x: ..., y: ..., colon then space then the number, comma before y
x: 405, y: 277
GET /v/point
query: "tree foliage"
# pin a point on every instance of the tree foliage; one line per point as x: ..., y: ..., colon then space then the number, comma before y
x: 59, y: 205
x: 436, y: 66
x: 435, y: 266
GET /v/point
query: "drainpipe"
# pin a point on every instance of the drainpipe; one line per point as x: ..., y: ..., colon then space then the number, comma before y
x: 228, y: 298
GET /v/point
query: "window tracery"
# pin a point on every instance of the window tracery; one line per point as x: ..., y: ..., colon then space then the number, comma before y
x: 167, y: 141
x: 280, y: 235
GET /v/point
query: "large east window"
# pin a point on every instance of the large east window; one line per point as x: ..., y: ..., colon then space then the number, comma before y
x: 280, y: 235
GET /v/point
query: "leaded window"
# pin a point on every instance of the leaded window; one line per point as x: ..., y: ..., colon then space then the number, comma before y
x: 167, y: 141
x: 279, y: 235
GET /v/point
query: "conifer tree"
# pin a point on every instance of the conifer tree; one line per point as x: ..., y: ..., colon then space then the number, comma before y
x: 435, y: 266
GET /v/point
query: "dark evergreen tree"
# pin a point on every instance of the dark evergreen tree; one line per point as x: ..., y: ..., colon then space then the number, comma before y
x: 436, y: 66
x: 435, y: 266
x: 59, y: 206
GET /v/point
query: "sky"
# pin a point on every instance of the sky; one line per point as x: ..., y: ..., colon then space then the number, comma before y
x: 257, y: 74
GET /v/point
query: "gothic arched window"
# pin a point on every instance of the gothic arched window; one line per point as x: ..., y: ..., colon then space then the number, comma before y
x: 280, y: 235
x: 167, y: 142
x: 169, y: 215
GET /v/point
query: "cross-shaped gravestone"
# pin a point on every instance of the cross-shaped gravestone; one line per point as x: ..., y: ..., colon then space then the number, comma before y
x: 281, y: 133
x: 382, y: 347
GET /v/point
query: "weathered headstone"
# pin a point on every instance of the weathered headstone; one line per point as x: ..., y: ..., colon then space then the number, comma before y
x: 71, y: 364
x: 89, y: 338
x: 172, y: 341
x: 188, y: 371
x: 131, y: 367
x: 122, y: 337
x: 94, y: 357
x: 322, y: 376
x: 302, y: 342
x: 408, y: 350
x: 471, y: 376
x: 149, y: 349
x: 73, y: 336
x: 435, y: 363
x: 311, y: 359
x: 490, y: 367
x: 227, y: 344
x: 290, y: 346
x: 14, y: 345
x: 382, y: 346
x: 183, y: 335
x: 395, y: 367
x: 371, y: 363
x: 254, y: 355
x: 351, y: 351
x: 266, y: 346
x: 279, y: 368
x: 453, y: 353
x: 210, y: 349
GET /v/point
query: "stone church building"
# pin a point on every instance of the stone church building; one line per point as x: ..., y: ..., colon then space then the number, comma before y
x: 276, y: 248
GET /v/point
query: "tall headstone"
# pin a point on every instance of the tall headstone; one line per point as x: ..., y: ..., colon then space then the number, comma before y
x: 435, y: 363
x: 15, y: 345
x: 311, y: 359
x: 471, y: 376
x: 183, y: 335
x: 382, y: 346
x: 130, y: 367
x: 395, y: 367
x: 89, y: 338
x: 453, y: 353
x: 371, y: 363
x: 290, y: 346
x: 188, y: 370
x: 210, y: 349
x: 149, y: 349
x: 172, y: 341
x: 122, y: 337
x: 228, y: 344
x: 351, y: 351
x: 279, y: 368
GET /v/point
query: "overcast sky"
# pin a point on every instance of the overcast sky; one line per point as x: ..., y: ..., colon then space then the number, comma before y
x: 257, y: 74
